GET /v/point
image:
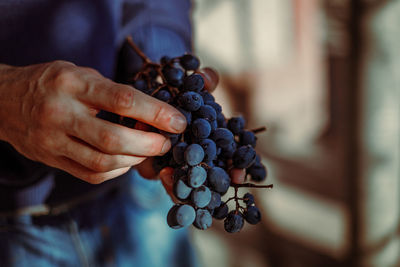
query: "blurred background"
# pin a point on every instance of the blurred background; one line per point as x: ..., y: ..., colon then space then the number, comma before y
x: 324, y: 78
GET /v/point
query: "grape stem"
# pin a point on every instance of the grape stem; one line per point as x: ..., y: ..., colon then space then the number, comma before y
x: 259, y: 130
x: 137, y: 50
x: 236, y: 186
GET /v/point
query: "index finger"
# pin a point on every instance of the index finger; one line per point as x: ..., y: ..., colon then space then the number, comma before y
x: 129, y: 102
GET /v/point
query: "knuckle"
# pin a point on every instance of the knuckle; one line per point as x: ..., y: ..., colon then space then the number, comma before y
x: 158, y: 112
x: 50, y: 110
x: 109, y: 141
x: 122, y: 98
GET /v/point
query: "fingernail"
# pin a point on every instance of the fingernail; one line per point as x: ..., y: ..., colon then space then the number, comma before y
x: 178, y: 123
x: 166, y: 146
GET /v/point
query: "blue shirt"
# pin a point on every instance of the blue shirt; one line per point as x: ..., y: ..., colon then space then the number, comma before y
x: 87, y: 33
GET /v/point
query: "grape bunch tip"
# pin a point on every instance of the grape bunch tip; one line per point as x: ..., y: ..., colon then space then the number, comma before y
x: 208, y: 149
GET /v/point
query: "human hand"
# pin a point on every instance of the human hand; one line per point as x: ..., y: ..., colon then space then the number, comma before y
x: 49, y: 112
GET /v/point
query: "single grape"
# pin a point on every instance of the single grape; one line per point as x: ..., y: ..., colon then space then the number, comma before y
x: 197, y: 176
x: 194, y: 154
x: 193, y: 82
x: 221, y: 121
x: 244, y: 156
x: 189, y: 62
x: 257, y: 172
x: 201, y: 128
x: 222, y: 137
x: 219, y: 180
x: 206, y: 112
x: 140, y: 84
x: 210, y: 149
x: 216, y: 106
x: 228, y: 151
x: 203, y: 219
x: 178, y: 152
x: 233, y: 222
x: 163, y: 95
x: 221, y: 212
x: 236, y: 125
x: 173, y: 76
x: 181, y: 190
x: 190, y: 101
x: 207, y: 97
x: 248, y: 199
x: 171, y: 218
x: 247, y: 138
x: 252, y: 215
x: 201, y: 196
x: 185, y: 215
x: 215, y: 201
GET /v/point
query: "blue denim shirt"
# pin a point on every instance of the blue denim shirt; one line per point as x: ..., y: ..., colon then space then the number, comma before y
x: 87, y: 33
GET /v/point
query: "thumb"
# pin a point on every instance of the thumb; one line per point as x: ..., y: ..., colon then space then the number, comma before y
x: 168, y: 181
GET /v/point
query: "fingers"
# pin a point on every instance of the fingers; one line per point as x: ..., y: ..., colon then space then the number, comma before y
x: 237, y: 175
x: 96, y: 160
x: 86, y: 174
x: 116, y: 139
x: 210, y: 77
x: 127, y: 101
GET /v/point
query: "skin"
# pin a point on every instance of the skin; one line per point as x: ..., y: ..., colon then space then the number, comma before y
x: 49, y: 112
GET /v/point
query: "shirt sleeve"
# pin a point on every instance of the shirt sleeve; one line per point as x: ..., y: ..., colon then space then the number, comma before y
x: 158, y: 27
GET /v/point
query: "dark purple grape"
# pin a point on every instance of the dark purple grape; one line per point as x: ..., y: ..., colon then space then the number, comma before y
x: 173, y: 76
x: 171, y: 218
x: 203, y: 219
x: 247, y: 138
x: 257, y: 172
x: 221, y: 212
x: 197, y: 176
x: 185, y: 215
x: 140, y: 84
x: 233, y: 222
x: 165, y: 60
x: 228, y: 151
x: 190, y: 101
x: 201, y: 196
x: 219, y: 180
x: 210, y: 149
x: 215, y: 201
x: 178, y: 152
x: 189, y: 62
x: 207, y: 97
x: 201, y: 128
x: 193, y: 82
x: 221, y: 121
x: 163, y: 95
x: 216, y: 106
x: 181, y: 190
x: 252, y: 215
x: 206, y: 112
x: 244, y: 156
x: 236, y: 125
x: 194, y: 154
x: 248, y: 199
x: 222, y: 137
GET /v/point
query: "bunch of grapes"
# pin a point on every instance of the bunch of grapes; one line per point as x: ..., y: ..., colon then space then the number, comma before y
x: 208, y: 149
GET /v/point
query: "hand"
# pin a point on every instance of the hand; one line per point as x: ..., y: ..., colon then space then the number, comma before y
x: 211, y: 79
x: 49, y: 112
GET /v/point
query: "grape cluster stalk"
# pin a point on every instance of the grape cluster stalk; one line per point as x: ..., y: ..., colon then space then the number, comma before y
x: 204, y: 154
